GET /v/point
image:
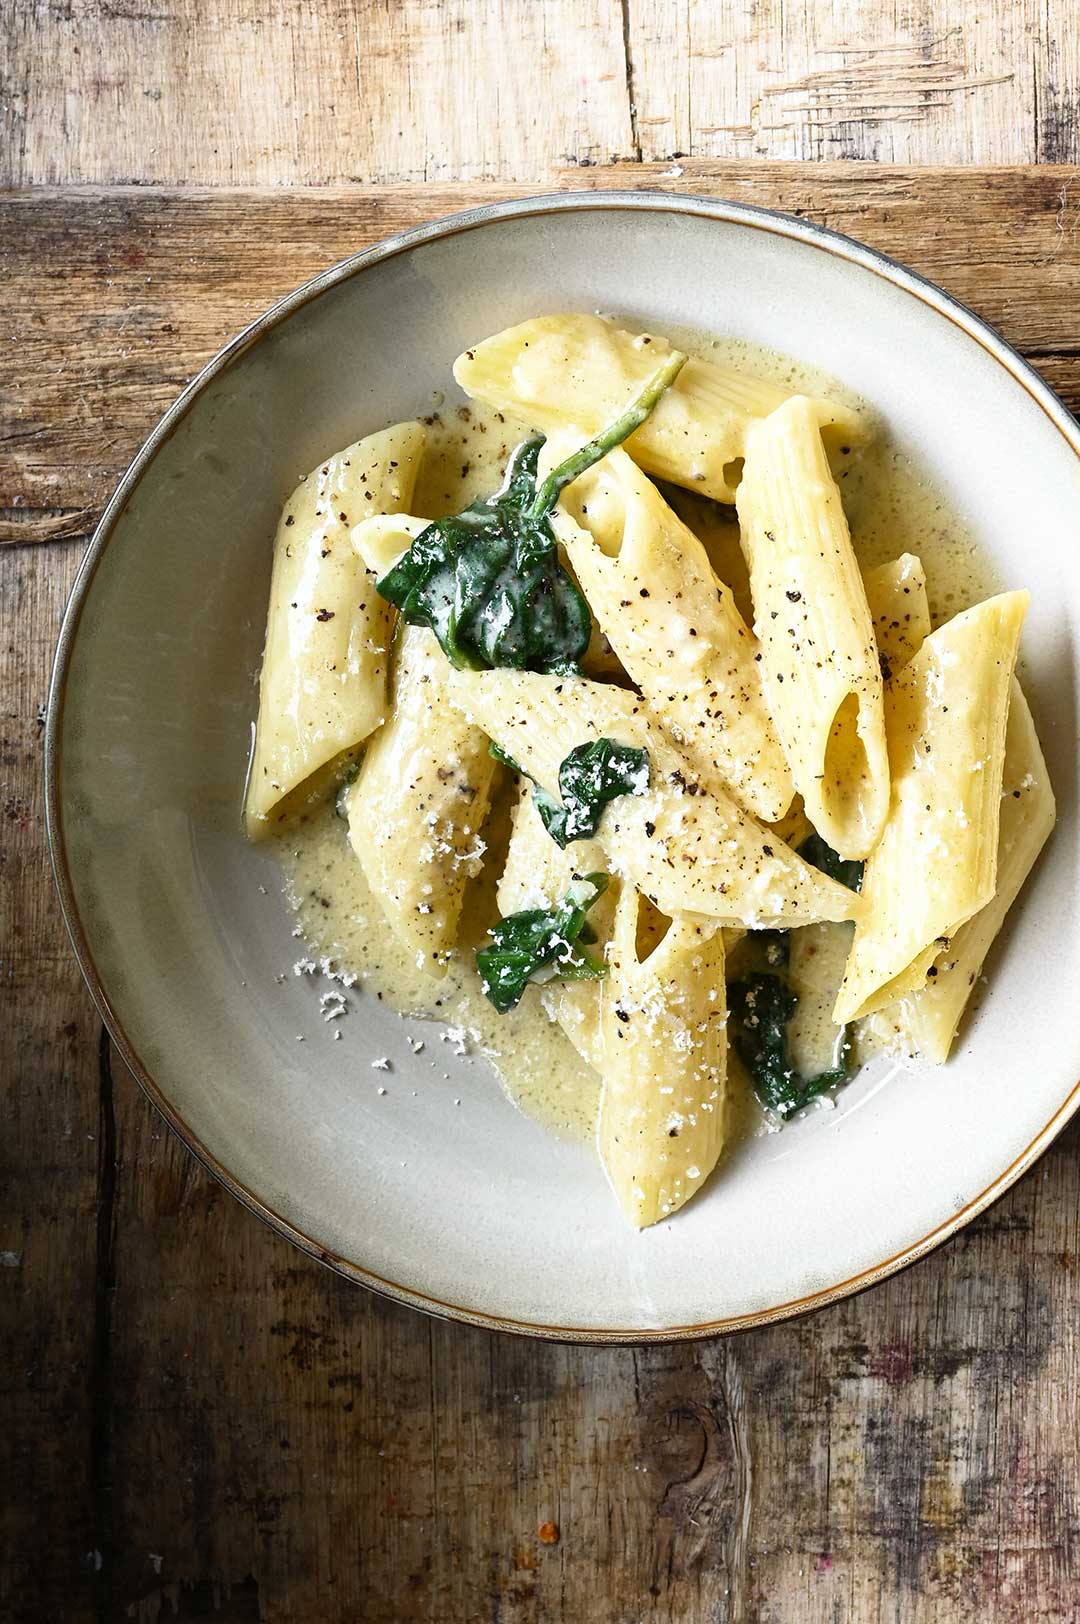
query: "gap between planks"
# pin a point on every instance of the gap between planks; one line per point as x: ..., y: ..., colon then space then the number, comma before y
x: 154, y: 281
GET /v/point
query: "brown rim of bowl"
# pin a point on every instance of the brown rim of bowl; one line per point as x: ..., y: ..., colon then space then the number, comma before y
x: 651, y: 202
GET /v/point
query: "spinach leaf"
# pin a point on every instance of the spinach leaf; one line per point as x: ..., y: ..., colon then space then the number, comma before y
x: 499, y: 754
x: 526, y: 942
x: 589, y: 777
x: 488, y: 582
x: 848, y: 870
x: 760, y: 1010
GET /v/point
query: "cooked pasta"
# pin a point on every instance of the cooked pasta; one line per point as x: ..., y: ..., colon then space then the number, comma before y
x: 688, y: 850
x: 537, y: 874
x: 764, y: 811
x: 896, y: 598
x: 820, y: 660
x: 662, y: 1061
x: 675, y: 629
x: 931, y: 1014
x: 936, y: 863
x: 418, y: 804
x: 575, y: 371
x: 323, y: 684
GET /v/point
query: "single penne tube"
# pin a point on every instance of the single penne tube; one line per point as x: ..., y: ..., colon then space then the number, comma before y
x: 662, y: 1061
x: 538, y: 873
x: 936, y: 863
x: 323, y: 685
x: 419, y: 801
x: 578, y: 371
x: 674, y: 627
x: 931, y: 1014
x: 688, y: 849
x: 819, y: 657
x: 896, y: 597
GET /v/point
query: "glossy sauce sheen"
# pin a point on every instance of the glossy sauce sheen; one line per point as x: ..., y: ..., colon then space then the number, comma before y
x: 891, y: 509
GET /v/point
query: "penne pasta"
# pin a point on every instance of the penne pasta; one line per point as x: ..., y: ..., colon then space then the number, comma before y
x: 577, y: 372
x: 381, y: 540
x: 760, y: 801
x: 663, y: 1053
x: 687, y: 850
x: 675, y: 629
x: 419, y: 801
x: 896, y: 597
x: 323, y: 685
x: 931, y: 1014
x: 819, y: 657
x: 936, y: 864
x: 538, y: 874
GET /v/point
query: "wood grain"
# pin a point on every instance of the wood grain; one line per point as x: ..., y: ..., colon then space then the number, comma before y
x: 199, y: 1421
x: 116, y: 298
x: 229, y: 92
x: 912, y: 83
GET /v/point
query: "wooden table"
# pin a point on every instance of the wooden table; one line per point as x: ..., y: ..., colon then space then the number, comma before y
x: 198, y: 1421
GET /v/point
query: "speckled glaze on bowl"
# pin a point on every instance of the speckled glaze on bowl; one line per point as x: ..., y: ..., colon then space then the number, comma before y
x: 180, y: 928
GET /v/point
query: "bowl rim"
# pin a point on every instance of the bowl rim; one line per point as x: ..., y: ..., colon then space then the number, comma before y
x: 650, y: 202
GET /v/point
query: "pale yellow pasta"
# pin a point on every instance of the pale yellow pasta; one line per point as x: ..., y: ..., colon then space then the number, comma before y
x: 381, y: 540
x: 323, y: 684
x: 930, y: 1015
x: 688, y: 849
x: 820, y: 659
x: 896, y: 596
x: 538, y: 874
x: 418, y: 804
x: 794, y: 827
x: 936, y: 863
x: 674, y: 627
x: 578, y: 372
x: 663, y: 1054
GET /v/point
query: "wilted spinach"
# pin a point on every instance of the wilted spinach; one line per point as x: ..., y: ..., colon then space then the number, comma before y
x: 818, y: 852
x: 590, y: 777
x: 488, y: 581
x: 760, y: 1010
x: 526, y: 942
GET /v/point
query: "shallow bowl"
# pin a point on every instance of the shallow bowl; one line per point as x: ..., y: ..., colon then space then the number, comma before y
x: 472, y: 1210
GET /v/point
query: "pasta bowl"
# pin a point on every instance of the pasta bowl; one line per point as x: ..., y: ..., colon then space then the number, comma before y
x: 407, y: 1168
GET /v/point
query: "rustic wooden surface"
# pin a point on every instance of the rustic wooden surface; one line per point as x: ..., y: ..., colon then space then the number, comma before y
x: 261, y: 92
x: 201, y: 1423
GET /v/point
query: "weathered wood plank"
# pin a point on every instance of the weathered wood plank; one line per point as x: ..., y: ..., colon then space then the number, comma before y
x: 116, y: 298
x: 288, y: 93
x: 307, y: 1452
x: 912, y: 83
x: 428, y: 90
x: 55, y: 1161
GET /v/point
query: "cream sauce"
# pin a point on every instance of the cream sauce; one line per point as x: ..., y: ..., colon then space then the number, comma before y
x: 891, y: 507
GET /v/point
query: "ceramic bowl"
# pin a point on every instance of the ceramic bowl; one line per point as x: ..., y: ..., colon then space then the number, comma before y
x: 180, y: 927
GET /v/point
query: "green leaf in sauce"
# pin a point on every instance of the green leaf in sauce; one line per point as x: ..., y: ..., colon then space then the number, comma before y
x: 760, y: 1010
x: 542, y: 938
x: 818, y: 852
x: 489, y: 582
x: 590, y: 777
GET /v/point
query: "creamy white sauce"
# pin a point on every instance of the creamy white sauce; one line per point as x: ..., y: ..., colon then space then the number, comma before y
x: 891, y: 508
